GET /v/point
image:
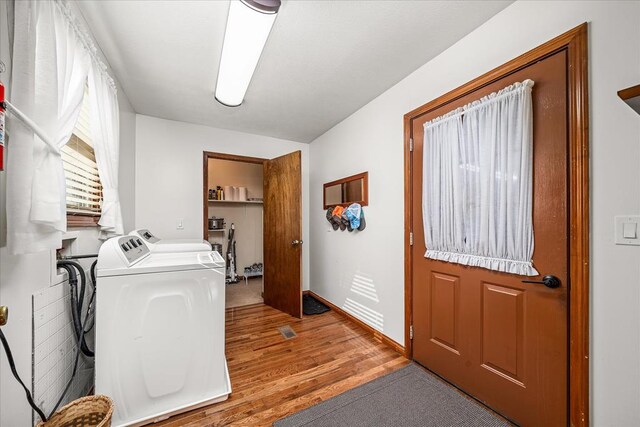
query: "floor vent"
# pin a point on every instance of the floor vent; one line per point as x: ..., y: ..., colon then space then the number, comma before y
x: 287, y: 332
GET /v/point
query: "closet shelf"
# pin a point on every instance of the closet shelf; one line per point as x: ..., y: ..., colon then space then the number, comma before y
x: 631, y: 96
x: 217, y: 229
x: 237, y: 202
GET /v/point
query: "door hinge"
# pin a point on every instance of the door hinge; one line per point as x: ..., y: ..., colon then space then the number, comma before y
x: 410, y: 144
x: 411, y: 332
x: 411, y: 238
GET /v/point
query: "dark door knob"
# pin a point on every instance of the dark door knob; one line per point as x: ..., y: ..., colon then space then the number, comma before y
x: 549, y: 281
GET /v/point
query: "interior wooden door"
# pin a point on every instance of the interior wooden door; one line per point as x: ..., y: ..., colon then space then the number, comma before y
x: 283, y: 233
x: 499, y: 339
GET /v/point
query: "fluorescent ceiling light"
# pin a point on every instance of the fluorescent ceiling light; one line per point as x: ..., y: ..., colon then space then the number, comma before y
x: 248, y: 26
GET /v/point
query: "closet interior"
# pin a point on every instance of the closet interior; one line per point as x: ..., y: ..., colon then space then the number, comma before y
x: 235, y: 226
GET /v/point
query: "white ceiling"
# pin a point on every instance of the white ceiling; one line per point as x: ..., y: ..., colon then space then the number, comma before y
x: 323, y: 60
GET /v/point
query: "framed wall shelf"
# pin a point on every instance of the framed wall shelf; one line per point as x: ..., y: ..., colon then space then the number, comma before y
x: 345, y: 191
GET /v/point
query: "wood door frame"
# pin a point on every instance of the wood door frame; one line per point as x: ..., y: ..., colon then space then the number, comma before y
x: 206, y: 156
x: 575, y: 42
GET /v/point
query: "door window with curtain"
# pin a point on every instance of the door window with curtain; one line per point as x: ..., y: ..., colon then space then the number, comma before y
x: 84, y: 190
x: 478, y: 183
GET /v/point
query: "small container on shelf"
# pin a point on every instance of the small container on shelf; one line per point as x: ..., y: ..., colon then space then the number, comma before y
x: 216, y: 224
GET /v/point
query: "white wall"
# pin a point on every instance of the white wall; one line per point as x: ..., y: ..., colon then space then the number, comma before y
x: 372, y: 139
x: 237, y: 174
x: 169, y: 174
x: 126, y: 173
x: 22, y: 276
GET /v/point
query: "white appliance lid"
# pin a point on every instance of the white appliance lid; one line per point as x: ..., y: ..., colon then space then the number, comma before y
x: 165, y: 262
x: 171, y: 245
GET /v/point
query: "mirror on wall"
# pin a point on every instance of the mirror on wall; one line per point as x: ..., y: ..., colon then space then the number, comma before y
x: 352, y: 189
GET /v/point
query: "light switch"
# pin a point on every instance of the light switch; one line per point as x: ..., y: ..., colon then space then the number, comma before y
x: 627, y: 230
x: 180, y: 224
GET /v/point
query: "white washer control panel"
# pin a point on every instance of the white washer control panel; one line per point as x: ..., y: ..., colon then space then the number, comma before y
x: 133, y: 248
x: 148, y: 236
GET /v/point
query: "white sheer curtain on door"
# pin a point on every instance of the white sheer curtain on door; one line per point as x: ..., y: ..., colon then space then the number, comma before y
x: 105, y: 127
x: 478, y: 183
x: 442, y: 199
x: 50, y: 67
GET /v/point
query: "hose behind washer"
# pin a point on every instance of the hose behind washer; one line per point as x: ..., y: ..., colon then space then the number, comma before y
x: 76, y: 302
x: 92, y: 273
x: 78, y: 325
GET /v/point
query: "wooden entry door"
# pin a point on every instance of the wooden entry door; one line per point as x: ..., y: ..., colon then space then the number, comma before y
x: 499, y: 339
x: 283, y: 233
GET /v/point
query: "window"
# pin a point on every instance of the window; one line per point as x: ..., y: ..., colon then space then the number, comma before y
x: 84, y: 191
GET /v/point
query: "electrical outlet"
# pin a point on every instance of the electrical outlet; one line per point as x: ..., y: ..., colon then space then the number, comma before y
x: 180, y: 224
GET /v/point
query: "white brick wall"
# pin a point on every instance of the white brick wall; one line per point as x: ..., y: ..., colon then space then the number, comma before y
x: 54, y: 350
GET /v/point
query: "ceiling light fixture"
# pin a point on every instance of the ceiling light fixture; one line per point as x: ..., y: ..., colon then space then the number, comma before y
x: 248, y: 26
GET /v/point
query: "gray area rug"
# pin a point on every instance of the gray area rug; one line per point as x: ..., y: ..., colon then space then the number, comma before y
x: 408, y: 397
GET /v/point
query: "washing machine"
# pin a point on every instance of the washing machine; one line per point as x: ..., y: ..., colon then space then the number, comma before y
x: 156, y: 244
x: 160, y: 334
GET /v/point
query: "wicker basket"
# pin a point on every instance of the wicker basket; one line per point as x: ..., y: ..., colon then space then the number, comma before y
x: 90, y: 411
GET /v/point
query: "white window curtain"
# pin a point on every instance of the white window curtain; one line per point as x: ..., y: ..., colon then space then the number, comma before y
x: 105, y: 128
x: 478, y: 183
x: 50, y: 67
x: 51, y: 62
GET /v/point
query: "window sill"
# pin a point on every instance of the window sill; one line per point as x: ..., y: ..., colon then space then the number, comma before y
x: 70, y: 235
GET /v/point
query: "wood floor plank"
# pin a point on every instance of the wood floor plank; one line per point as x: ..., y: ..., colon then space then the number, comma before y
x: 273, y: 377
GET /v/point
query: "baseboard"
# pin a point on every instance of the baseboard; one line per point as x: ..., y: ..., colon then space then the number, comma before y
x: 376, y: 334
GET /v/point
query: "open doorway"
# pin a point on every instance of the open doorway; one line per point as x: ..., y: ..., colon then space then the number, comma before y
x: 234, y: 226
x: 252, y: 215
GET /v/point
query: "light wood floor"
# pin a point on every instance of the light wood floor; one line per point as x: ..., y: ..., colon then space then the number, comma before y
x: 242, y: 293
x: 272, y: 377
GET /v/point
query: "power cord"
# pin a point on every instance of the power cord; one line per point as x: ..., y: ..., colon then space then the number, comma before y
x: 80, y: 341
x: 79, y: 324
x: 12, y: 365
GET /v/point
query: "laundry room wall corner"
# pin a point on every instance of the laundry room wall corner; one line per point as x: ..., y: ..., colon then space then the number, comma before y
x: 127, y: 174
x: 169, y: 174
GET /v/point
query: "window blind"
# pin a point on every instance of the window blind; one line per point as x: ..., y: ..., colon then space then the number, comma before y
x: 84, y: 191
